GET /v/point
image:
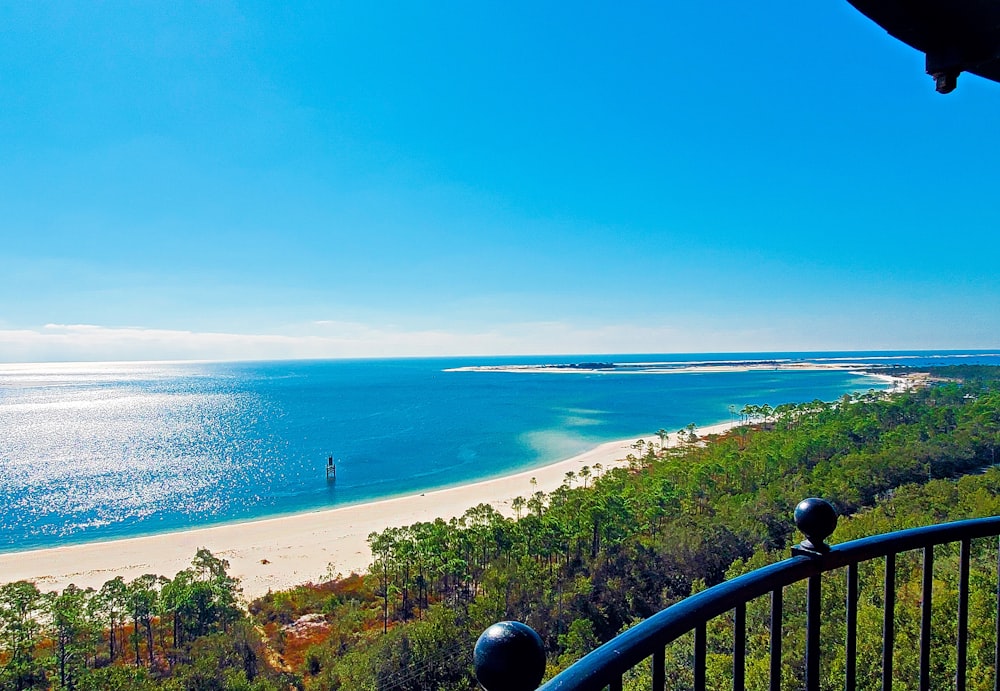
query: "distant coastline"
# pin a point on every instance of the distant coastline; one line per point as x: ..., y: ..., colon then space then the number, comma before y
x: 680, y: 367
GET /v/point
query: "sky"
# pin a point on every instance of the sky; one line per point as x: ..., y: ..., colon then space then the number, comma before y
x: 247, y: 180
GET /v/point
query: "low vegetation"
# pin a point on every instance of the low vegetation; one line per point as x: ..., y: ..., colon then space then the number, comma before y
x: 579, y: 565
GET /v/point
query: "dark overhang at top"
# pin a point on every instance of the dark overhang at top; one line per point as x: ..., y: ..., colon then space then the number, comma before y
x: 956, y: 35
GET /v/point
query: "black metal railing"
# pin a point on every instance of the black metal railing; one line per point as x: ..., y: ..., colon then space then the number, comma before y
x: 509, y: 655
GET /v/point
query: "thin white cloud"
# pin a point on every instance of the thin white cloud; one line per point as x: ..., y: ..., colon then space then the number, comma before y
x: 331, y: 339
x: 342, y: 339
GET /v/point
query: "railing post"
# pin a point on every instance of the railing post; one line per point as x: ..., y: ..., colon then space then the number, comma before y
x: 509, y: 656
x: 817, y: 520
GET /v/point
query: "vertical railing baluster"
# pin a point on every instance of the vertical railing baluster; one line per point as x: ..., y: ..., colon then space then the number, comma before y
x: 996, y: 645
x: 813, y: 613
x: 851, y: 644
x: 777, y: 605
x: 659, y: 672
x: 888, y: 621
x: 739, y: 646
x: 961, y: 648
x: 700, y: 648
x: 925, y: 620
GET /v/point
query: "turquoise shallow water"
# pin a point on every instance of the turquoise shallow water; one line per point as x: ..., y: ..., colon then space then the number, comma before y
x: 99, y: 451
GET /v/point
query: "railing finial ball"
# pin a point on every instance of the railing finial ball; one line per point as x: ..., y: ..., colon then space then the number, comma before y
x: 509, y: 656
x: 817, y: 520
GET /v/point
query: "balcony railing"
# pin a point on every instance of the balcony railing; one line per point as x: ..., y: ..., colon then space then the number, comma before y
x: 509, y: 655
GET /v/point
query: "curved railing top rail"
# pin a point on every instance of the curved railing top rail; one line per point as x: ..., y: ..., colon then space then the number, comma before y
x: 597, y: 669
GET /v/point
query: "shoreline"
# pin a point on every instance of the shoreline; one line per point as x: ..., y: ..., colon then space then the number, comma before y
x: 286, y: 551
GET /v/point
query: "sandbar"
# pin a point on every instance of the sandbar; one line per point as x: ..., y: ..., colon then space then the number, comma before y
x: 280, y: 553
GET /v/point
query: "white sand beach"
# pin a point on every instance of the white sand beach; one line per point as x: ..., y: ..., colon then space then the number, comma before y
x: 278, y: 553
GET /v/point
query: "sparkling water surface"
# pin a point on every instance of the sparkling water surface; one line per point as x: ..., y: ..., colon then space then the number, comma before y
x: 106, y: 450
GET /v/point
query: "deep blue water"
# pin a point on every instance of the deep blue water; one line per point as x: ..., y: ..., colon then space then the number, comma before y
x: 98, y: 451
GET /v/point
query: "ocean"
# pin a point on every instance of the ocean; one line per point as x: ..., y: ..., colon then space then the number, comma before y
x: 97, y: 451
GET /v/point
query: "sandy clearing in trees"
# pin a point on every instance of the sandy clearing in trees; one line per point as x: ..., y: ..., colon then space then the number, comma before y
x: 278, y: 553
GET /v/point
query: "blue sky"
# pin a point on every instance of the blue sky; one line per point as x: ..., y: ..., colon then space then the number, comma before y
x: 212, y: 180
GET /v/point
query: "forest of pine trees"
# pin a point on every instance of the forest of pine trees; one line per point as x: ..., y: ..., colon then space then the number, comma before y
x: 578, y: 565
